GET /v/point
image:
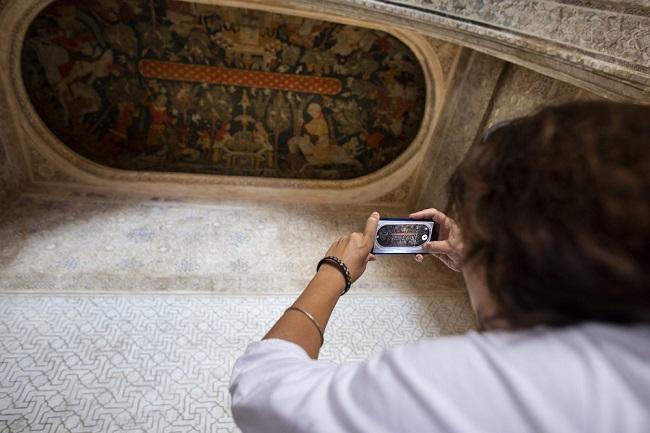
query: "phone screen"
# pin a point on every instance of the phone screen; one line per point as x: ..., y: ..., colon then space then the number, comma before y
x: 402, y: 235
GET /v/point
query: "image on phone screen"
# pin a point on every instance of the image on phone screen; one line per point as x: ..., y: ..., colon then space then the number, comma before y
x: 403, y: 235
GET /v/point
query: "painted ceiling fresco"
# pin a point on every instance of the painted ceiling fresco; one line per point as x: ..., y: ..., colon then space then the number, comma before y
x: 182, y: 87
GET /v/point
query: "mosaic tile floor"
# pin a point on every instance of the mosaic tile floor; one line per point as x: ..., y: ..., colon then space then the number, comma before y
x: 91, y: 340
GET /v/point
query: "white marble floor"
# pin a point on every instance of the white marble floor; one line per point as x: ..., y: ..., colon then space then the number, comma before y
x: 126, y: 315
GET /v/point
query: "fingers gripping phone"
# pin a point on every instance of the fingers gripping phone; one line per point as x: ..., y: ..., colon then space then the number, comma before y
x: 404, y: 236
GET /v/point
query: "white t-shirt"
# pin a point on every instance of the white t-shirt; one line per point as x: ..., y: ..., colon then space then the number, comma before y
x: 587, y: 378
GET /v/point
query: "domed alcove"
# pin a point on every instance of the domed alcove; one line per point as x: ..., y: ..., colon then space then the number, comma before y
x: 171, y: 86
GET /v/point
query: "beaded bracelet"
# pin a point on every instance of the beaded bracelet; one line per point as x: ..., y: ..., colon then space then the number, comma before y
x: 338, y: 264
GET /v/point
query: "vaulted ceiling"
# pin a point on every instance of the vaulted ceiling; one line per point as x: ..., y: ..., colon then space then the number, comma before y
x: 337, y: 101
x: 180, y: 87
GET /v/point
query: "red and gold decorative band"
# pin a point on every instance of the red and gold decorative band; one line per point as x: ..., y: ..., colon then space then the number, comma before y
x: 238, y: 77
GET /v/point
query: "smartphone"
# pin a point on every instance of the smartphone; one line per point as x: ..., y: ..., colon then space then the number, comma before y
x: 404, y: 236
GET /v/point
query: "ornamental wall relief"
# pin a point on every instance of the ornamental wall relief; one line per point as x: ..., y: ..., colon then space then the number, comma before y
x: 523, y: 91
x: 622, y: 35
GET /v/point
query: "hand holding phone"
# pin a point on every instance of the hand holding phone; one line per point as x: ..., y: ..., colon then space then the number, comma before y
x: 448, y: 247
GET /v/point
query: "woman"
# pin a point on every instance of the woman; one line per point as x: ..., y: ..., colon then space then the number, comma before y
x: 551, y: 231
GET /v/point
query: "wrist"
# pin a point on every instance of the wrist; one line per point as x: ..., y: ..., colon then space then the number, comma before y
x: 340, y: 266
x: 331, y: 277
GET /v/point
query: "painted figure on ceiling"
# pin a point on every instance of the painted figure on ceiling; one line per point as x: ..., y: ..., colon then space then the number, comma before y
x: 204, y: 141
x: 318, y: 131
x: 261, y: 137
x: 159, y: 121
x: 221, y: 139
x: 352, y: 39
x: 182, y: 151
x: 316, y: 145
x: 114, y: 140
x: 183, y: 22
x: 304, y: 32
x: 53, y: 50
x: 249, y: 39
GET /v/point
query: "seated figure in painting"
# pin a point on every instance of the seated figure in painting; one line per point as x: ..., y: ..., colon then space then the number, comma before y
x: 317, y: 147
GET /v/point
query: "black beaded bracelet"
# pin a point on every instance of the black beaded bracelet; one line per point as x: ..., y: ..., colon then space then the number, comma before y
x: 338, y: 264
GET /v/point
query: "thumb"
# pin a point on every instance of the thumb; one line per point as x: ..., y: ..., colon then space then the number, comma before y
x: 439, y: 247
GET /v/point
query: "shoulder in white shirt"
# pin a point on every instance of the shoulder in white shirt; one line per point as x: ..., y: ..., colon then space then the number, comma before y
x: 586, y: 378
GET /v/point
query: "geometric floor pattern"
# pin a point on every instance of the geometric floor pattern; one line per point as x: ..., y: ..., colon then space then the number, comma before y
x: 162, y: 363
x: 122, y: 314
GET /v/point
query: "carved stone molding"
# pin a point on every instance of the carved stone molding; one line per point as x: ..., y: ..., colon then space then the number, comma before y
x: 43, y: 170
x: 523, y: 91
x: 447, y: 53
x: 467, y: 105
x: 8, y: 183
x: 609, y: 31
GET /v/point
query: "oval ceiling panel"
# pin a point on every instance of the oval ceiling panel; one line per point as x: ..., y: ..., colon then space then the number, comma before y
x: 180, y: 87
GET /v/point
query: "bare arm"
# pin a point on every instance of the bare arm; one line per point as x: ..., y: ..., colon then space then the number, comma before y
x: 323, y: 292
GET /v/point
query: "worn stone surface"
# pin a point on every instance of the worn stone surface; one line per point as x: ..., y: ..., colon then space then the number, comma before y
x: 447, y: 53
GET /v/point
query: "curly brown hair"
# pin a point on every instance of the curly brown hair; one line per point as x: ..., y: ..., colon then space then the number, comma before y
x: 555, y: 208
